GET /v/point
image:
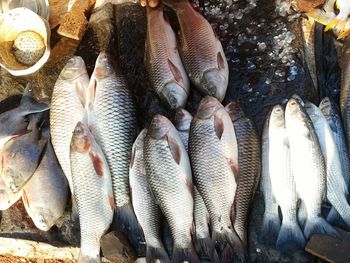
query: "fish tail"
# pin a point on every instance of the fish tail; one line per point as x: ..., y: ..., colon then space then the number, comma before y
x: 88, y: 259
x: 290, y: 237
x: 205, y: 246
x: 126, y: 222
x: 156, y: 254
x: 317, y: 225
x: 185, y: 254
x: 270, y: 227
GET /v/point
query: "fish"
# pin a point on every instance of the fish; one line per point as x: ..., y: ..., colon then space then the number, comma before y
x: 46, y: 194
x: 14, y: 122
x: 308, y: 167
x: 67, y: 109
x: 7, y: 197
x: 331, y: 112
x: 214, y: 157
x: 200, y: 50
x: 290, y: 236
x: 170, y: 179
x: 202, y: 239
x: 341, y: 19
x: 163, y: 63
x: 112, y: 119
x: 249, y: 163
x: 93, y: 191
x: 337, y: 190
x: 147, y: 211
x: 271, y: 222
x: 21, y: 156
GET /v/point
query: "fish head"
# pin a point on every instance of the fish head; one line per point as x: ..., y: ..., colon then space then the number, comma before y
x: 277, y: 116
x: 81, y: 140
x: 298, y: 98
x: 174, y: 95
x: 235, y: 111
x: 328, y: 107
x: 43, y: 218
x: 313, y: 111
x: 103, y: 66
x: 214, y: 83
x: 183, y: 120
x: 73, y: 69
x: 207, y: 107
x: 160, y: 127
x: 297, y: 114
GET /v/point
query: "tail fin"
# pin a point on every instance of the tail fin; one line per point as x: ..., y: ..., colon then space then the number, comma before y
x: 156, y: 254
x: 317, y: 225
x: 290, y: 238
x: 88, y: 259
x: 205, y: 246
x: 270, y: 227
x: 29, y: 105
x: 185, y: 254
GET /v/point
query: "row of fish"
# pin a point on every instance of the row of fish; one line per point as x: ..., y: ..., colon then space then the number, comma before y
x: 29, y: 168
x: 203, y: 172
x: 305, y: 163
x: 198, y: 57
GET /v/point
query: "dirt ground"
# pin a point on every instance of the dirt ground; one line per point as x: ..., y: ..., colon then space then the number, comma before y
x: 11, y: 259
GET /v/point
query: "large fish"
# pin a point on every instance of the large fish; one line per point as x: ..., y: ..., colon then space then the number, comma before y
x: 169, y: 174
x: 308, y: 167
x: 112, y: 118
x: 332, y: 114
x: 93, y: 192
x: 162, y: 60
x: 7, y: 197
x: 271, y: 222
x: 67, y: 109
x: 337, y: 189
x: 147, y: 211
x: 46, y: 193
x: 202, y: 240
x: 282, y: 181
x: 214, y: 158
x: 21, y: 155
x: 249, y: 163
x: 200, y: 50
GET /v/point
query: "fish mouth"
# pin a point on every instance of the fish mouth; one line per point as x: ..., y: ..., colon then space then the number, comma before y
x: 207, y: 107
x: 174, y: 95
x: 159, y: 127
x: 74, y: 65
x: 214, y: 83
x: 277, y: 115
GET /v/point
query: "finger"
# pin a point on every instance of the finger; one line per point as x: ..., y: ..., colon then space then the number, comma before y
x: 153, y: 3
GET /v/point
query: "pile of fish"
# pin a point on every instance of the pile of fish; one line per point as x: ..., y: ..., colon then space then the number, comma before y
x: 305, y: 164
x: 201, y: 175
x: 29, y: 168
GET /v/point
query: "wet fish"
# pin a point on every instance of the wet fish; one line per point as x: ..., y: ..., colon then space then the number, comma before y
x: 249, y: 163
x: 112, y: 118
x: 308, y: 167
x: 162, y: 60
x: 7, y: 197
x: 67, y: 109
x: 46, y: 193
x: 21, y: 156
x: 271, y: 222
x: 337, y: 189
x: 332, y: 114
x: 170, y: 179
x: 290, y: 236
x: 214, y: 158
x: 200, y: 50
x: 147, y: 211
x: 340, y: 21
x: 202, y: 240
x: 93, y: 192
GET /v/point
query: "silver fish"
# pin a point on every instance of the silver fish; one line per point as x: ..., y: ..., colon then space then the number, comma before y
x: 112, y: 118
x: 170, y: 179
x: 182, y: 123
x: 308, y: 167
x: 162, y: 60
x: 93, y: 192
x: 200, y: 50
x: 46, y: 194
x: 283, y: 184
x: 337, y: 189
x: 214, y: 158
x: 147, y: 212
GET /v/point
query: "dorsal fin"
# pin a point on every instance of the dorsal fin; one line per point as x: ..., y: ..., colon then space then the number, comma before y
x: 174, y: 149
x: 175, y: 71
x: 220, y: 61
x: 97, y: 162
x: 219, y: 126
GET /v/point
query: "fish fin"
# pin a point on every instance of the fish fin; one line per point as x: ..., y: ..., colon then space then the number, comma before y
x: 184, y: 254
x: 25, y: 198
x: 219, y: 126
x: 97, y: 162
x: 176, y: 72
x: 270, y: 227
x: 220, y: 61
x: 174, y: 149
x: 79, y: 86
x: 74, y: 214
x: 28, y: 95
x: 317, y: 225
x: 90, y: 97
x: 34, y: 107
x: 205, y: 246
x: 344, y: 34
x: 302, y: 214
x: 320, y: 16
x: 290, y: 238
x: 111, y: 202
x: 132, y: 158
x: 156, y: 254
x: 335, y: 23
x: 88, y: 259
